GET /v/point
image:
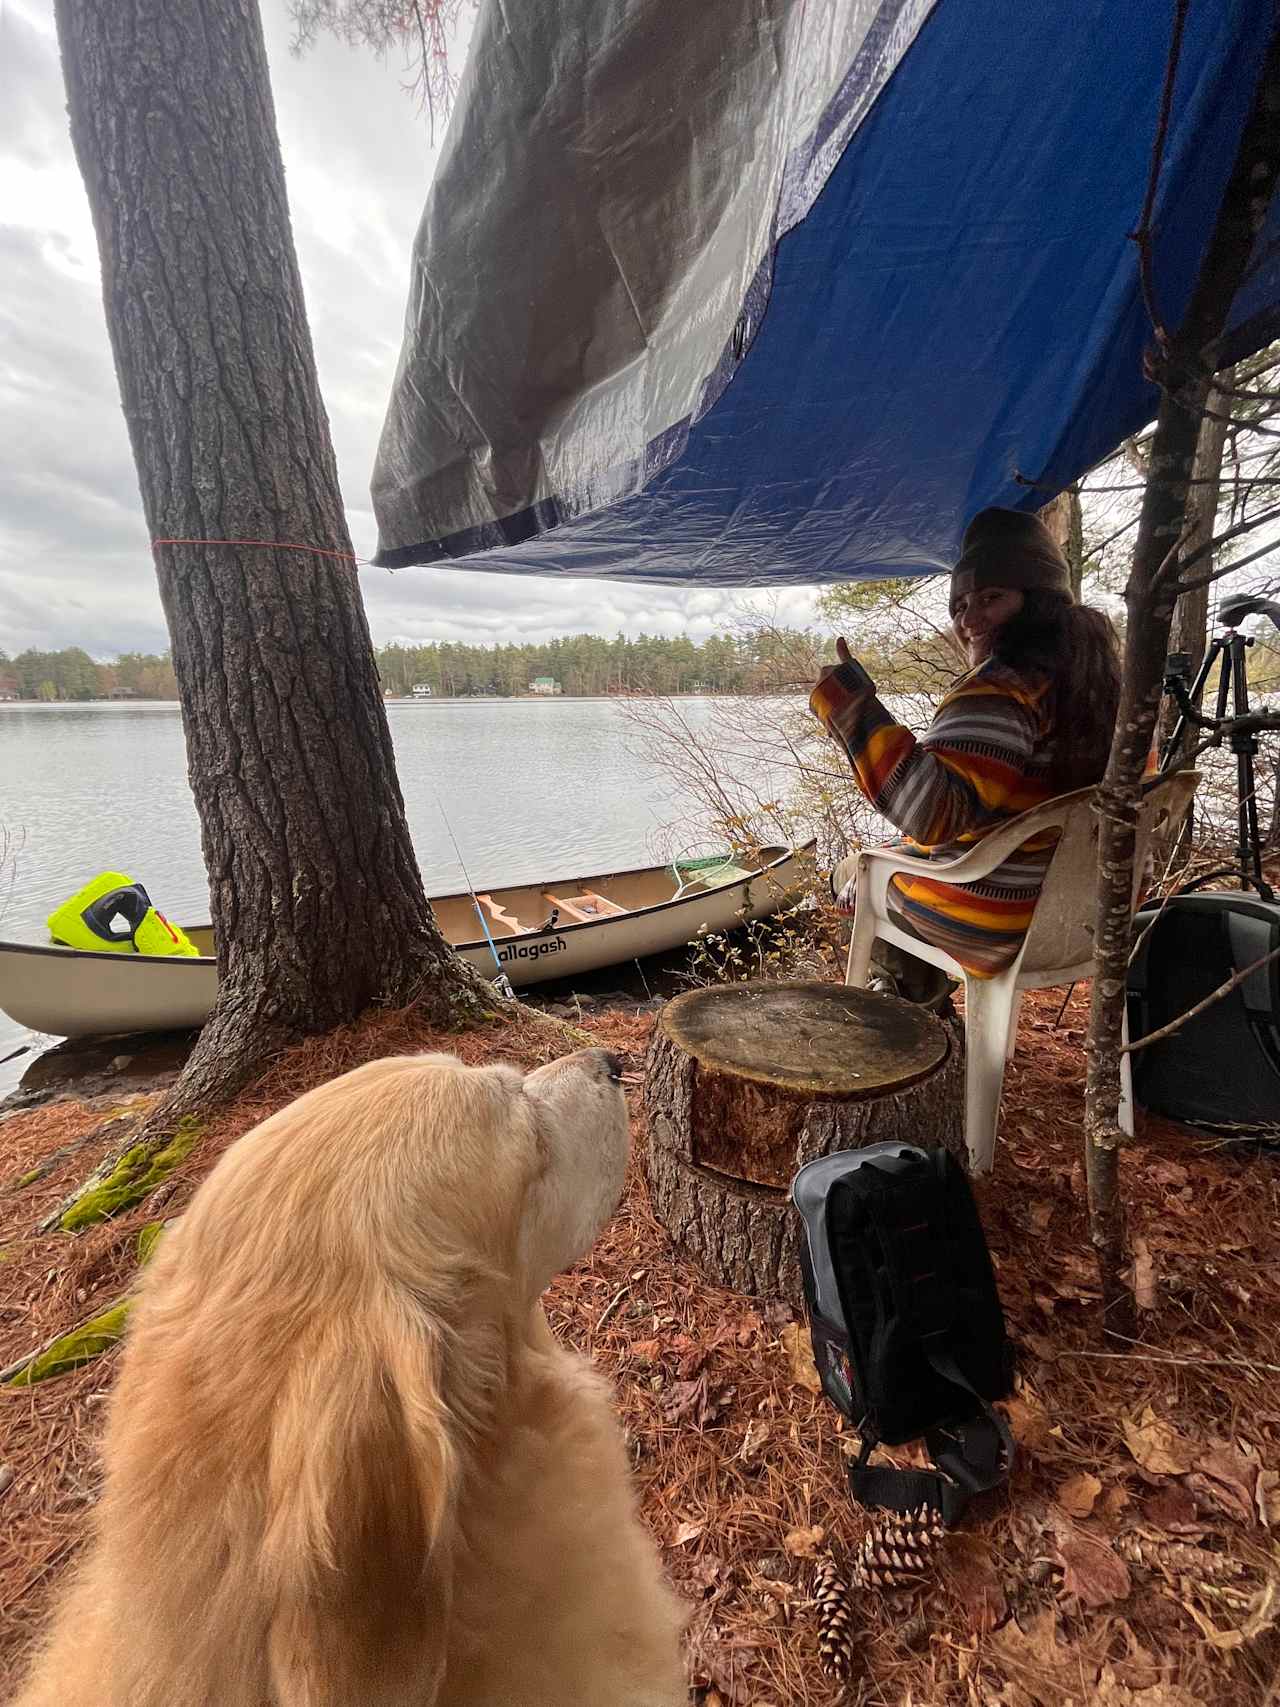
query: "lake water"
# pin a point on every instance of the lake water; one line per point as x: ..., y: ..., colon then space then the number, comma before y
x: 531, y: 789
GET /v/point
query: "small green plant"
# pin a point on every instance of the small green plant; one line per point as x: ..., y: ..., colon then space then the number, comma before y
x: 780, y: 949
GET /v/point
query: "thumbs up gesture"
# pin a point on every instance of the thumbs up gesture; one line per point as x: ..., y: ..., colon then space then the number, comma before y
x: 854, y: 677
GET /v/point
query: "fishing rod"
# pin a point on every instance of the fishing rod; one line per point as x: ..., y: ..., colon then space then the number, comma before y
x: 502, y: 984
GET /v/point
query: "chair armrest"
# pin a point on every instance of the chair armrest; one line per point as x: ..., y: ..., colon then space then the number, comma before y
x: 877, y: 867
x: 995, y: 847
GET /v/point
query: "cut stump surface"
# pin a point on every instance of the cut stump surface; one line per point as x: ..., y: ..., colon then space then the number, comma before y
x: 747, y: 1082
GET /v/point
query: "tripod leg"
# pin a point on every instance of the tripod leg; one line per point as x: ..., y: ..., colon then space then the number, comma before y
x: 1246, y: 746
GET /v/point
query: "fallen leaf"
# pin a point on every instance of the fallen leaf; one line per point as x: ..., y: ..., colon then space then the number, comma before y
x: 1144, y: 1276
x: 1076, y: 1279
x: 1040, y: 1216
x: 694, y: 1402
x: 803, y: 1543
x: 781, y: 1591
x: 1261, y: 1618
x: 1092, y: 1570
x: 749, y: 1326
x: 1113, y: 1502
x: 1012, y: 1695
x: 754, y: 1441
x: 687, y: 1532
x: 1040, y: 1346
x: 1172, y: 1174
x: 1028, y: 1419
x: 703, y: 1573
x: 1111, y: 1692
x: 1225, y: 1480
x: 692, y: 1354
x: 646, y: 1351
x: 1267, y: 1494
x: 1172, y: 1508
x: 796, y: 1344
x: 1139, y: 1668
x: 1038, y: 1663
x: 1078, y: 1494
x: 714, y: 1674
x: 971, y: 1572
x: 1157, y: 1445
x: 683, y: 1398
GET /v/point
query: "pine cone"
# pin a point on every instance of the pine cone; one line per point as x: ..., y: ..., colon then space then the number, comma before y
x: 1181, y: 1557
x: 835, y: 1619
x: 897, y: 1551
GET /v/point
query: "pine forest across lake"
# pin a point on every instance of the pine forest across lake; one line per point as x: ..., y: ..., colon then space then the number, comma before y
x: 583, y: 665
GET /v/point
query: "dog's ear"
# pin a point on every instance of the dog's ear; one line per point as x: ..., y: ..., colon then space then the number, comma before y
x: 358, y: 1545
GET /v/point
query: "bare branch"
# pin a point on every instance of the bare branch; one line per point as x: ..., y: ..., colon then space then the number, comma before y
x: 1217, y: 995
x: 1236, y: 562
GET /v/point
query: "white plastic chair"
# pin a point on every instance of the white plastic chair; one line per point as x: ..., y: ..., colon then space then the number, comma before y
x: 1057, y: 949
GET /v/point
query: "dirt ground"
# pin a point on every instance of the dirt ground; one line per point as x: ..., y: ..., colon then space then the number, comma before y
x: 1132, y: 1563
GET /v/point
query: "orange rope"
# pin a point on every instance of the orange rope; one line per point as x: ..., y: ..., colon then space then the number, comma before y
x: 269, y: 545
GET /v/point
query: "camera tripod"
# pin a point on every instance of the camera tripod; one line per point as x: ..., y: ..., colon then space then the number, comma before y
x: 1234, y: 721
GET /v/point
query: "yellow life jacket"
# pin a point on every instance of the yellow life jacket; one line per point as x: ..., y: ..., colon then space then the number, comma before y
x: 114, y: 915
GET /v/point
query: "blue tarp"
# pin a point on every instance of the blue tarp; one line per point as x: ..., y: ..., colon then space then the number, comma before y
x: 959, y: 308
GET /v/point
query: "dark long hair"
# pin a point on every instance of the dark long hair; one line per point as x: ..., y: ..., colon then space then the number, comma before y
x: 1076, y: 647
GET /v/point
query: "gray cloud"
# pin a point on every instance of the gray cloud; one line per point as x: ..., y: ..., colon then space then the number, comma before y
x: 74, y: 563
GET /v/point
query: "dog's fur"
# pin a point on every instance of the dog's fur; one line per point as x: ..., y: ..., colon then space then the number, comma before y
x: 346, y: 1463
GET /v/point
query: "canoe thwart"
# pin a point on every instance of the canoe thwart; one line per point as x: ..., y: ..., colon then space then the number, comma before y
x: 586, y: 906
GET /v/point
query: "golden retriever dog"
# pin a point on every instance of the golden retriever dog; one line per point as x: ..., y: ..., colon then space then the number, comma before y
x: 347, y: 1465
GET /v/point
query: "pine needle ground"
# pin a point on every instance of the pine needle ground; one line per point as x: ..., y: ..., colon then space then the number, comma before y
x: 1134, y: 1562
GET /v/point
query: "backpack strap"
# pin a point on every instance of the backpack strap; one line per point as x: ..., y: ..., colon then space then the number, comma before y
x: 971, y: 1457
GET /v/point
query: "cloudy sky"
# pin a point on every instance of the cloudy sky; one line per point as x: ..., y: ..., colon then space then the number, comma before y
x: 74, y: 565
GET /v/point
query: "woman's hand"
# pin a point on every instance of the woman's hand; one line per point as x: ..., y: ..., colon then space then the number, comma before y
x: 845, y: 660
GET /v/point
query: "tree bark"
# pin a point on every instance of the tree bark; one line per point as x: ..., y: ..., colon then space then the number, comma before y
x: 1185, y: 370
x: 1064, y: 519
x: 1189, y: 632
x: 745, y: 1083
x: 318, y: 904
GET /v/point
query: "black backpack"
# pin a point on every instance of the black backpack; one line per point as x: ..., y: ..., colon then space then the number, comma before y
x: 908, y: 1333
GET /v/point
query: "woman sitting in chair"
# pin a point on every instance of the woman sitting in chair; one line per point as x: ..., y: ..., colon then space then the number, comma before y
x: 1032, y: 717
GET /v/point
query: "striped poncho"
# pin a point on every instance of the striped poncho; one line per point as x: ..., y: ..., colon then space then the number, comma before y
x: 987, y: 756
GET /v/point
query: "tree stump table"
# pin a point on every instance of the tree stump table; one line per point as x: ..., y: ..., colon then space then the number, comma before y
x: 744, y: 1083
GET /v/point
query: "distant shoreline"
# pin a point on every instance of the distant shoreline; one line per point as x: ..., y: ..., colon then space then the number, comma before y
x: 406, y: 699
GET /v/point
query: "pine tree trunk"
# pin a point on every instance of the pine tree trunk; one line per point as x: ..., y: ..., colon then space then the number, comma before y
x: 1186, y: 369
x: 317, y: 900
x: 1189, y: 633
x: 1064, y: 519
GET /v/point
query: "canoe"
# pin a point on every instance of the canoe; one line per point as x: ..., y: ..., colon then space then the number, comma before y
x: 540, y: 931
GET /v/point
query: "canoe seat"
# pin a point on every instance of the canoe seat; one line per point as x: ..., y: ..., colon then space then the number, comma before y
x: 501, y: 916
x: 585, y: 907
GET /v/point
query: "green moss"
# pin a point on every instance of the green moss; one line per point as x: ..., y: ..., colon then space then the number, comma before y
x: 81, y: 1345
x: 148, y: 1238
x: 25, y: 1179
x: 139, y: 1171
